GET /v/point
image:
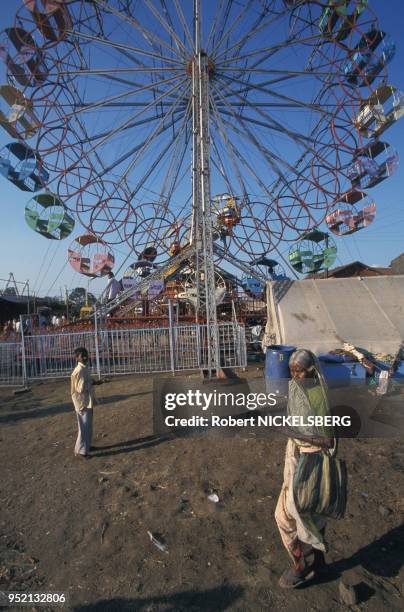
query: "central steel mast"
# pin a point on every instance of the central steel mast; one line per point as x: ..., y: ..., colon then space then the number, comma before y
x: 202, y: 234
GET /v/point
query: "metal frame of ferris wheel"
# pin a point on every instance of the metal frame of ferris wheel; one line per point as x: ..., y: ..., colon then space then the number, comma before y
x: 180, y: 93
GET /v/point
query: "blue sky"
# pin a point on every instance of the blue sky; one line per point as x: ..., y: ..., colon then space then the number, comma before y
x: 43, y: 263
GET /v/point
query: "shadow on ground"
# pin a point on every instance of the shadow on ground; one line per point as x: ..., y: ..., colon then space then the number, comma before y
x: 129, y: 446
x: 384, y: 557
x: 40, y: 413
x: 214, y: 600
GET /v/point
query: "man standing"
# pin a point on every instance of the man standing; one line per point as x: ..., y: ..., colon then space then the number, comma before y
x: 113, y: 287
x: 83, y: 399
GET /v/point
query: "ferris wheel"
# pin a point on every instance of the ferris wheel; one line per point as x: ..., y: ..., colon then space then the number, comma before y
x: 160, y: 124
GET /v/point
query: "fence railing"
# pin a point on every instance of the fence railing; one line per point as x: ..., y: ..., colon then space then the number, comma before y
x: 11, y: 371
x: 119, y: 351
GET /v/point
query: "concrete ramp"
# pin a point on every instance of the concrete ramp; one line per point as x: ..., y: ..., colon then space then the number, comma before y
x: 322, y: 314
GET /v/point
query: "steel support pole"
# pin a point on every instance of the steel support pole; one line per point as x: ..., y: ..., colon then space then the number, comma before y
x: 23, y: 353
x: 201, y: 197
x: 171, y: 335
x: 97, y: 352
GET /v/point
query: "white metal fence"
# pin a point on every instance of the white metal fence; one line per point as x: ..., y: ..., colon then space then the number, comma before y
x: 11, y: 372
x: 119, y: 351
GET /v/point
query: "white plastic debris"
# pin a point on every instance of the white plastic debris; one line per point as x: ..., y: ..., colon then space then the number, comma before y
x: 213, y: 498
x: 383, y: 383
x: 160, y: 545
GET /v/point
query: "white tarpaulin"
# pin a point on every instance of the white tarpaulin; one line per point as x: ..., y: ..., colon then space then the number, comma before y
x: 322, y: 314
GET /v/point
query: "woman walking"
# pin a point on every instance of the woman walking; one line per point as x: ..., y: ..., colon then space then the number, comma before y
x: 303, y: 536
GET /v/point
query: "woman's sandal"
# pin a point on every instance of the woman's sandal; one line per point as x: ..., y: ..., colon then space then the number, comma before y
x: 306, y: 567
x: 293, y: 577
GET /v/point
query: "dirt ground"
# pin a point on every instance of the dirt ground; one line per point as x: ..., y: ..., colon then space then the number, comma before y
x: 81, y: 527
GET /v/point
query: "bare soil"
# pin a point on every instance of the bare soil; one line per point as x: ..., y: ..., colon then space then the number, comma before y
x: 81, y: 527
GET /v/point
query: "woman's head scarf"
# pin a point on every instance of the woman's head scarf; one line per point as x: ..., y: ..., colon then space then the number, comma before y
x: 304, y: 359
x: 308, y: 361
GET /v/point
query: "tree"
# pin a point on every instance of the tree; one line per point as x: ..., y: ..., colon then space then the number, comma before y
x: 78, y: 297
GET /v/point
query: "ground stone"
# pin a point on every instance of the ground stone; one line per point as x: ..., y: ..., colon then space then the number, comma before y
x: 385, y: 511
x: 348, y: 593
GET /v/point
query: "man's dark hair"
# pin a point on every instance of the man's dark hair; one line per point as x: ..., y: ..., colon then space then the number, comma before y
x: 81, y: 350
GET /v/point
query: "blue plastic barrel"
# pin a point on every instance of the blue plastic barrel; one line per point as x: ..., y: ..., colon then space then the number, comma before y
x: 277, y: 374
x: 339, y: 373
x: 400, y: 370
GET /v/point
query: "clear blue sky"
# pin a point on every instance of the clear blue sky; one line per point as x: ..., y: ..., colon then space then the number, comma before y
x: 43, y: 262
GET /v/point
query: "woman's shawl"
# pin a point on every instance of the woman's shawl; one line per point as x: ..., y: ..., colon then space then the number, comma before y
x: 305, y: 401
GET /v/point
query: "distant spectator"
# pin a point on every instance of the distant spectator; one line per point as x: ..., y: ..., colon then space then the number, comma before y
x: 27, y: 327
x: 8, y: 328
x: 113, y: 287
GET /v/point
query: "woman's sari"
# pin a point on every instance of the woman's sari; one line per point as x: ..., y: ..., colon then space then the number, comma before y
x: 306, y: 398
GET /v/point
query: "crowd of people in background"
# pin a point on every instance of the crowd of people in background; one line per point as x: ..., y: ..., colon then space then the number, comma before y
x: 59, y: 321
x: 48, y: 321
x: 13, y: 326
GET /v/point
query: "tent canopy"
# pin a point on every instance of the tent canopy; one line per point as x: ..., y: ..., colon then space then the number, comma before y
x: 323, y: 314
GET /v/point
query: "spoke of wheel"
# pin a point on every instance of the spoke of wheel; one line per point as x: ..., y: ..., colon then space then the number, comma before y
x: 177, y: 181
x: 123, y: 125
x: 220, y: 166
x: 229, y: 145
x: 278, y: 48
x: 257, y: 27
x: 251, y: 171
x: 133, y: 58
x: 266, y: 50
x: 225, y: 18
x: 234, y: 24
x: 108, y: 71
x: 138, y: 146
x: 215, y: 22
x: 236, y: 152
x: 130, y: 126
x: 166, y: 26
x: 272, y: 121
x: 115, y: 45
x: 141, y: 104
x: 142, y: 67
x: 270, y: 157
x: 77, y: 120
x: 298, y: 138
x: 152, y: 87
x: 264, y: 105
x: 291, y: 73
x: 177, y: 156
x: 151, y: 137
x: 151, y: 38
x: 260, y: 87
x: 151, y: 169
x: 301, y: 159
x: 275, y: 128
x: 101, y: 103
x: 183, y: 23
